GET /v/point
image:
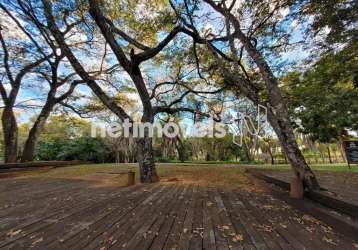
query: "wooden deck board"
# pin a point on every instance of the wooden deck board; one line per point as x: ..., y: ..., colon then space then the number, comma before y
x: 158, y: 216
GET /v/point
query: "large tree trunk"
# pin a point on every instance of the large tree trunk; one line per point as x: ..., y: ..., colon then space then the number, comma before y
x: 341, y: 148
x: 10, y: 132
x: 329, y: 154
x: 277, y: 110
x: 246, y: 150
x: 148, y: 172
x: 284, y: 132
x: 271, y: 155
x: 180, y: 148
x: 32, y: 139
x: 145, y: 156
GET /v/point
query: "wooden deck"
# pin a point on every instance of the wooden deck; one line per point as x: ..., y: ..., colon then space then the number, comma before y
x: 342, y: 186
x: 47, y: 213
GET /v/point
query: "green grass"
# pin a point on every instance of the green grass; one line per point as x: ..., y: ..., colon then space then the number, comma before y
x: 168, y: 172
x: 166, y: 168
x: 340, y: 167
x: 230, y: 175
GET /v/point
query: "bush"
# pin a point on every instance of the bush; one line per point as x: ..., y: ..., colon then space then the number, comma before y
x: 83, y: 148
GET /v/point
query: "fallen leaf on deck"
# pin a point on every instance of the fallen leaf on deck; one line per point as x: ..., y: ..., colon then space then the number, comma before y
x: 310, y: 229
x: 283, y: 225
x: 13, y: 232
x: 267, y: 207
x: 185, y: 230
x: 265, y: 228
x: 327, y: 229
x: 37, y: 241
x: 355, y: 245
x: 328, y: 240
x: 309, y: 218
x: 238, y: 237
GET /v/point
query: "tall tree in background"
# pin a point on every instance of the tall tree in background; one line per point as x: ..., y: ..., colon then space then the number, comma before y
x: 18, y: 61
x: 35, y: 41
x: 255, y: 28
x: 323, y: 99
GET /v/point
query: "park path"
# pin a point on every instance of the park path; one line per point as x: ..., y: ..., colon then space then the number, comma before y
x: 49, y: 213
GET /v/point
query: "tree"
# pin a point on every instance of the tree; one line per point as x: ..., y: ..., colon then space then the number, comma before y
x: 323, y: 99
x: 55, y: 70
x: 265, y: 91
x: 15, y: 72
x: 131, y: 65
x: 39, y: 68
x: 337, y: 18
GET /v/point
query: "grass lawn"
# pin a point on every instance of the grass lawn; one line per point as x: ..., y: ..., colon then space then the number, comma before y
x: 207, y: 174
x: 340, y: 167
x: 222, y: 174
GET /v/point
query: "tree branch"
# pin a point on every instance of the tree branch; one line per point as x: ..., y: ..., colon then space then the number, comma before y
x: 100, y: 20
x: 150, y: 53
x: 69, y: 91
x: 78, y: 67
x: 172, y: 111
x: 125, y: 36
x: 6, y: 59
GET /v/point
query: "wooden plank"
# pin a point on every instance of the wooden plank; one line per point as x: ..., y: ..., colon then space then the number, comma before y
x: 105, y: 224
x: 294, y: 233
x: 343, y: 206
x: 178, y: 226
x: 119, y: 207
x: 214, y: 210
x: 151, y: 230
x: 137, y: 228
x: 237, y: 224
x: 21, y: 213
x: 31, y: 215
x: 43, y: 200
x: 232, y: 237
x: 196, y: 241
x: 131, y: 218
x: 119, y: 232
x: 209, y: 228
x: 247, y: 221
x: 35, y: 224
x: 271, y: 235
x: 165, y: 229
x: 186, y: 234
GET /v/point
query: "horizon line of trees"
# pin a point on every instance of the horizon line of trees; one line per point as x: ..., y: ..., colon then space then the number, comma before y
x: 69, y: 138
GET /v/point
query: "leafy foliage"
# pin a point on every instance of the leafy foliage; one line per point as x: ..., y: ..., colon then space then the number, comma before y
x: 83, y: 148
x: 324, y: 99
x: 339, y: 16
